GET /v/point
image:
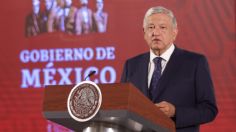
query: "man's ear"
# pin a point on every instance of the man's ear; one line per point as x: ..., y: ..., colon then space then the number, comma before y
x: 176, y: 33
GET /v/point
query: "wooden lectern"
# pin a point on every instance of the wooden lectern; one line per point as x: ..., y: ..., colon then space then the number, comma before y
x: 124, y: 109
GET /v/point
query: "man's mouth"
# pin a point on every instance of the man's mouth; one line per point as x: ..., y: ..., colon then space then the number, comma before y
x: 156, y: 40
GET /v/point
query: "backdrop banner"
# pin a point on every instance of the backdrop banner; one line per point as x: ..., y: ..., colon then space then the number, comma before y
x: 59, y: 42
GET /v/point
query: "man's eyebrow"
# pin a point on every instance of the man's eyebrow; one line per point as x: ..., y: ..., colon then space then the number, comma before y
x: 162, y: 24
x: 150, y: 24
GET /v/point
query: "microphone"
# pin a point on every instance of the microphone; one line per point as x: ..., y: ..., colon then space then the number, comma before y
x: 90, y: 74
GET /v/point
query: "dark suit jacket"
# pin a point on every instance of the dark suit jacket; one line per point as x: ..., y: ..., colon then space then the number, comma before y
x: 185, y: 82
x: 35, y: 24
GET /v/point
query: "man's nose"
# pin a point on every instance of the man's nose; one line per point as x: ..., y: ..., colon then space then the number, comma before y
x: 156, y: 32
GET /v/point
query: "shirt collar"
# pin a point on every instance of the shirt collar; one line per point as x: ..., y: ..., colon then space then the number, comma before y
x: 166, y: 55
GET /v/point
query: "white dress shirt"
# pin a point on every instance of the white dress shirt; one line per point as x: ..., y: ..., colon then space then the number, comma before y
x: 165, y: 58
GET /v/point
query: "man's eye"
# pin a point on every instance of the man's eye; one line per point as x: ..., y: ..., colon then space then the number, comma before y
x: 151, y: 27
x: 163, y: 27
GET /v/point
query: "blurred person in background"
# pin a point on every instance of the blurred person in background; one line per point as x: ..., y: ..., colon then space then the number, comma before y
x: 70, y: 12
x: 56, y: 19
x: 48, y: 7
x: 100, y: 17
x: 34, y: 23
x: 83, y: 22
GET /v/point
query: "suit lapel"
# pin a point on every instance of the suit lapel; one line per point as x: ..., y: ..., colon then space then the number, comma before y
x: 143, y: 73
x: 169, y: 71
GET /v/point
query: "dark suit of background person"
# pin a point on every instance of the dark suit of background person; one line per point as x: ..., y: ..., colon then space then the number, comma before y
x: 34, y: 23
x: 185, y: 85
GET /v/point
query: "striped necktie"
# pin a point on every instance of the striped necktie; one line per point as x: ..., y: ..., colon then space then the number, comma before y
x: 155, y: 78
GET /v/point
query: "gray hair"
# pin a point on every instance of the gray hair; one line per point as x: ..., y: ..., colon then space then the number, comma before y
x: 159, y: 9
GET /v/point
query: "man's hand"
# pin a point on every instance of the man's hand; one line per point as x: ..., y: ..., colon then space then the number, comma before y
x: 167, y: 108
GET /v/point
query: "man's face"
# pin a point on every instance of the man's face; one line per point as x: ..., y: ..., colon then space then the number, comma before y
x: 48, y: 4
x: 159, y: 32
x: 99, y: 6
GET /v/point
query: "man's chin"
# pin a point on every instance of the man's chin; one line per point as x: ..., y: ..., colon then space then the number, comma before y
x: 156, y: 47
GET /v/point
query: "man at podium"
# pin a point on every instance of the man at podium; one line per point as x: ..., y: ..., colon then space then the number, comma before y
x: 176, y: 80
